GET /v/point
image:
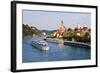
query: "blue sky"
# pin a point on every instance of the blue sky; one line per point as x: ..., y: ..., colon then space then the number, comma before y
x: 50, y: 20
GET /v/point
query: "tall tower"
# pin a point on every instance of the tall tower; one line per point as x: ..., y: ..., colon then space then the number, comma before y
x: 78, y: 25
x: 62, y: 22
x: 62, y: 27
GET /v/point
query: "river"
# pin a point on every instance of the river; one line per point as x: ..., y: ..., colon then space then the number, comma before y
x: 57, y: 52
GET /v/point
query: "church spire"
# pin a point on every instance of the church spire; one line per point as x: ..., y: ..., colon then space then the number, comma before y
x: 62, y: 22
x: 78, y: 25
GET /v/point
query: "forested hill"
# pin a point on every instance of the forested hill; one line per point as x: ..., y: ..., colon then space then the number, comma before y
x: 30, y: 30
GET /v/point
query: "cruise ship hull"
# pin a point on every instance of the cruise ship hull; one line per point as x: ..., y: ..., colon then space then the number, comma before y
x: 40, y: 46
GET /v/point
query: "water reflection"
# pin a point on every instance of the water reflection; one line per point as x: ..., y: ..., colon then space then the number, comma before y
x: 61, y: 45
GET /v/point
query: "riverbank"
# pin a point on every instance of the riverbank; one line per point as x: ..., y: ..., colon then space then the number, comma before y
x: 70, y: 43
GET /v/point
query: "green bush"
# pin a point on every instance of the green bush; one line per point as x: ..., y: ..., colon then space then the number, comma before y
x: 84, y: 39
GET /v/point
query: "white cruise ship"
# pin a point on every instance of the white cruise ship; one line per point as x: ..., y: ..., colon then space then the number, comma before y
x: 41, y: 44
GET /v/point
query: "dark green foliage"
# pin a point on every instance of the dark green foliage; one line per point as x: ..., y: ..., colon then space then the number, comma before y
x: 29, y: 31
x: 75, y: 29
x: 69, y: 29
x: 86, y: 38
x: 51, y: 37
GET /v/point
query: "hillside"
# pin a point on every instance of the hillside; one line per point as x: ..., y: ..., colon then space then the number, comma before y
x: 29, y: 31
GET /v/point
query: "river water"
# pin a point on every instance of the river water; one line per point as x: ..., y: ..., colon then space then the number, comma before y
x: 57, y: 52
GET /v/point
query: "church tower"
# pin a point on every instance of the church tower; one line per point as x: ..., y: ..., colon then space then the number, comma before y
x: 78, y: 25
x: 62, y: 22
x: 61, y: 26
x: 62, y: 31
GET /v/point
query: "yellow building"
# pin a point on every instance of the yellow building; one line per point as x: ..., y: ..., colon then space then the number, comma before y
x: 62, y: 31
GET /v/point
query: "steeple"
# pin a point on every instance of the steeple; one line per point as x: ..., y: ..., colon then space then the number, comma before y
x: 78, y: 25
x: 62, y: 31
x: 62, y: 22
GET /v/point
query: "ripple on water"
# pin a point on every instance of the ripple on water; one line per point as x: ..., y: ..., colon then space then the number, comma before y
x: 57, y: 52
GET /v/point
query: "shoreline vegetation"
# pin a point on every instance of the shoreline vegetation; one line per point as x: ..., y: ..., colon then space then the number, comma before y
x: 78, y: 34
x: 30, y: 31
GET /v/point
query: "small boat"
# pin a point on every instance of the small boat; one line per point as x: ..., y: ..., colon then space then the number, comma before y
x: 42, y: 45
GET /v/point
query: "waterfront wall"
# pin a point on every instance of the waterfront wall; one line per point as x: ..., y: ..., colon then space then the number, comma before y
x: 70, y: 43
x: 77, y: 44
